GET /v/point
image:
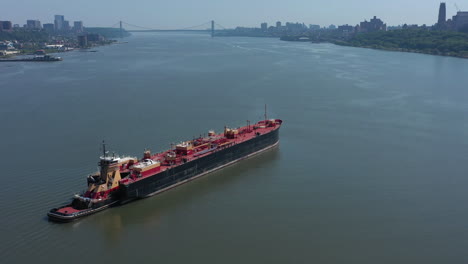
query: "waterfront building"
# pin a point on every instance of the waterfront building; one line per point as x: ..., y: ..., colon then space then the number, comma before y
x: 375, y: 24
x: 83, y: 41
x: 33, y: 24
x: 59, y: 22
x: 264, y: 26
x: 49, y: 27
x: 78, y: 26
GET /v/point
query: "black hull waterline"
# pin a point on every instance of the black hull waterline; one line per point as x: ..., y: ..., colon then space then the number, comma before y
x: 197, y: 168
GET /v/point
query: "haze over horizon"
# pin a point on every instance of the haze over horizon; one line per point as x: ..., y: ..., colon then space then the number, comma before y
x: 183, y: 13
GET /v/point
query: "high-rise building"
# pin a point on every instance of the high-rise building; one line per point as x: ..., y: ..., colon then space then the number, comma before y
x: 346, y: 28
x: 33, y: 24
x: 59, y: 22
x: 442, y: 14
x: 278, y: 24
x: 264, y: 26
x: 295, y: 27
x: 460, y: 21
x: 30, y: 24
x: 5, y: 25
x: 49, y: 27
x: 375, y: 24
x: 314, y: 27
x: 83, y: 40
x: 66, y: 25
x: 78, y: 26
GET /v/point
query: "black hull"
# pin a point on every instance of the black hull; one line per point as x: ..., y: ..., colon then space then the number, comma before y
x: 197, y: 168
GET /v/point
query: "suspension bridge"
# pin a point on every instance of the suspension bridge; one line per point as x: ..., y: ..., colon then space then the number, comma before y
x: 209, y: 26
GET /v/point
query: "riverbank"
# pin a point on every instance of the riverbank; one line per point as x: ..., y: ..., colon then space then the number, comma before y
x: 29, y: 42
x: 441, y: 43
x: 436, y: 53
x: 23, y: 52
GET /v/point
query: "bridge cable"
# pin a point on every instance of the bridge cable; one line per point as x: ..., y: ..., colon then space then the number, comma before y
x: 220, y: 26
x: 146, y: 28
x: 114, y: 25
x: 206, y: 23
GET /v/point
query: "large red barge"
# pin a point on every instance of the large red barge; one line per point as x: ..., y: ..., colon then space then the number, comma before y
x: 123, y: 179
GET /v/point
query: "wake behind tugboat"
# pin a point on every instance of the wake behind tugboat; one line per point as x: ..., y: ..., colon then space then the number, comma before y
x: 124, y: 179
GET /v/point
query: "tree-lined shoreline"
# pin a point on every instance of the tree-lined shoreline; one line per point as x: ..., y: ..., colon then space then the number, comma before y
x: 434, y: 42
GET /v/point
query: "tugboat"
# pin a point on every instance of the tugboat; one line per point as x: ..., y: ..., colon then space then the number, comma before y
x: 102, y: 189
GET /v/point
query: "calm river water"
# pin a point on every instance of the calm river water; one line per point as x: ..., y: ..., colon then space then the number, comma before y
x: 372, y: 166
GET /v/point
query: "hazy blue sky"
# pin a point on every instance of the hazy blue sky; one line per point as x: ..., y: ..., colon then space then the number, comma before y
x: 229, y: 13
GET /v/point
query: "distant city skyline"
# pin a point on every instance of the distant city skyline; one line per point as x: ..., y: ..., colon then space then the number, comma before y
x: 184, y: 13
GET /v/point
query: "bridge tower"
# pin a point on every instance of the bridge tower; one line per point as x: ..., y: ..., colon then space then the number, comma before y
x: 121, y: 32
x: 212, y: 28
